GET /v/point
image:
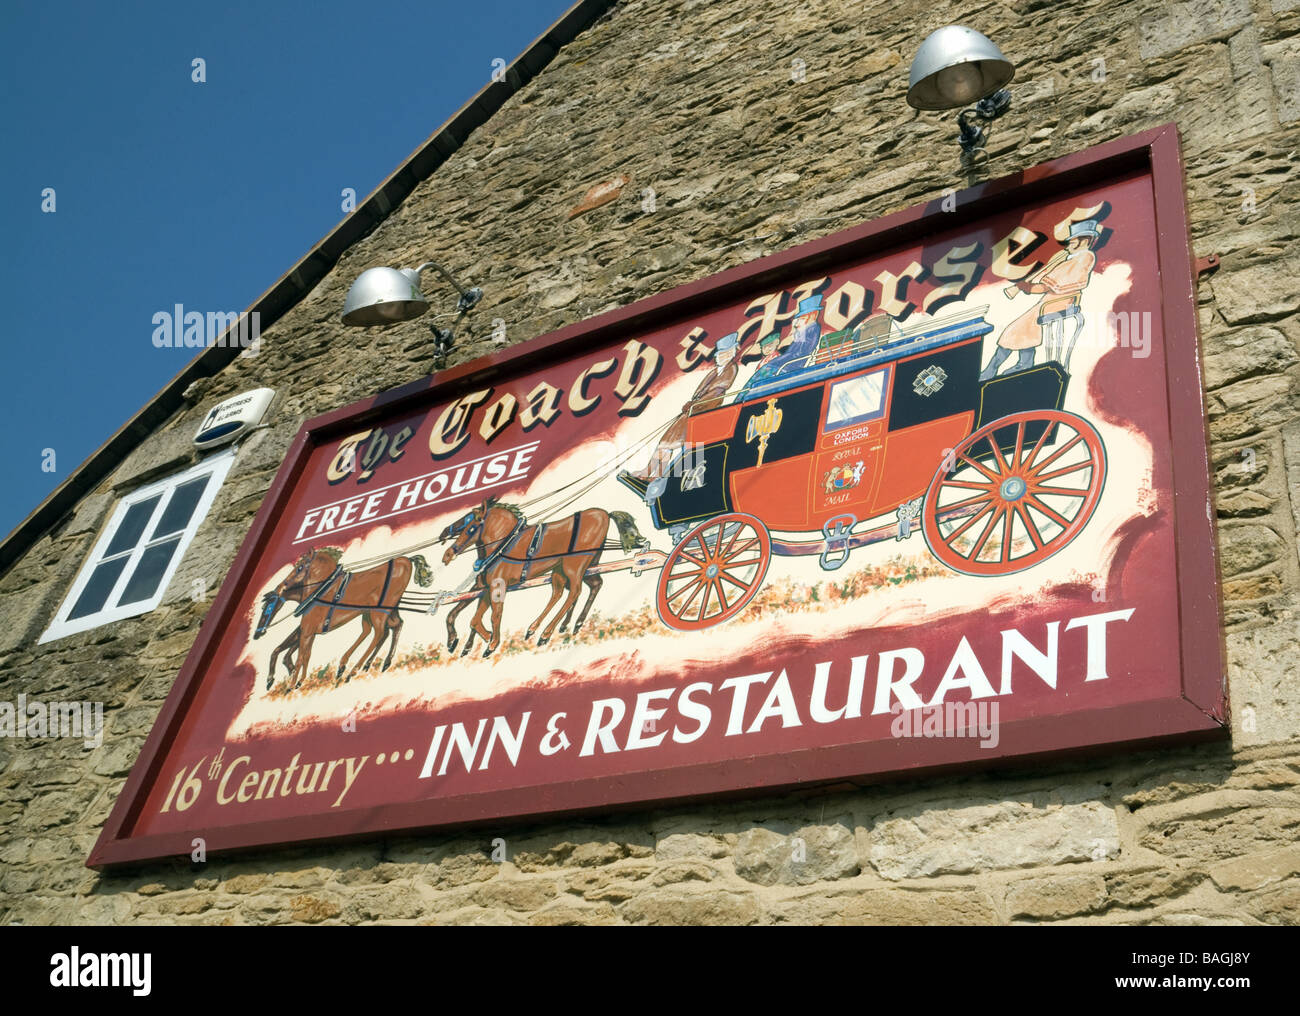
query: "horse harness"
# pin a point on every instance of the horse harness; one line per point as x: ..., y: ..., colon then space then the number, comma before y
x: 509, y: 543
x: 336, y: 602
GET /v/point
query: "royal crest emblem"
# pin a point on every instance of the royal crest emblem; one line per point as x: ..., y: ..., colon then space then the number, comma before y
x: 843, y: 477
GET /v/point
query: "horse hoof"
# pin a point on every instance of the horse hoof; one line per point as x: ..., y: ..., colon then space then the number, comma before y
x: 542, y: 642
x: 487, y: 653
x: 269, y: 681
x: 528, y: 635
x: 452, y: 644
x: 465, y: 651
x: 564, y: 628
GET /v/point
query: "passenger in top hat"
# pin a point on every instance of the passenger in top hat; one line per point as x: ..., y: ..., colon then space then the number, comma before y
x: 769, y: 346
x: 711, y: 391
x: 806, y: 332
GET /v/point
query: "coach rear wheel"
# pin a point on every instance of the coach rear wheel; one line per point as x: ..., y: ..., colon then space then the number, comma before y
x: 1014, y: 493
x: 713, y: 572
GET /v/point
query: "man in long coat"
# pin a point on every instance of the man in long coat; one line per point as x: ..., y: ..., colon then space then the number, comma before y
x: 1061, y: 281
x: 715, y: 386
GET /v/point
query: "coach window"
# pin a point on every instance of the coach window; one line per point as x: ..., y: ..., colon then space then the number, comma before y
x: 856, y: 400
x: 128, y: 571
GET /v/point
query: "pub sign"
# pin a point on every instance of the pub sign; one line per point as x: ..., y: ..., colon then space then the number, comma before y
x: 928, y: 493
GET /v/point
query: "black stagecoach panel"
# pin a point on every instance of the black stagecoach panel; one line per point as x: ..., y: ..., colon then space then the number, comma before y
x: 939, y: 383
x: 696, y: 488
x: 1041, y: 387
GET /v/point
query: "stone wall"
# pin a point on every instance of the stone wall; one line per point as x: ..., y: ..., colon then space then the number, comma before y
x: 756, y: 126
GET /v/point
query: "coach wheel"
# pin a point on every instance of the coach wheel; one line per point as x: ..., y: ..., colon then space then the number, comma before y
x: 1014, y: 493
x: 713, y: 572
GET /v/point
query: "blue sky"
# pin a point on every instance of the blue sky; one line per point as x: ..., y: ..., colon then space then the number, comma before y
x: 170, y: 191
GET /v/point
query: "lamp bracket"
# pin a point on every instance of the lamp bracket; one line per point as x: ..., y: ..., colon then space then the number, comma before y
x: 468, y: 297
x: 973, y: 137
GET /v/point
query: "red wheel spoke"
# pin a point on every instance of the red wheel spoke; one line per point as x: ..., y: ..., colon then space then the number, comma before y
x: 970, y: 485
x: 1056, y: 517
x: 734, y: 581
x: 984, y: 536
x: 968, y: 503
x: 717, y: 590
x: 971, y: 462
x: 683, y: 590
x: 997, y: 456
x: 695, y: 588
x: 1038, y: 445
x: 694, y: 560
x: 1059, y: 491
x: 741, y: 549
x: 732, y: 542
x: 703, y: 603
x: 1058, y: 453
x: 1040, y: 477
x: 965, y: 526
x: 1029, y: 525
x: 1020, y: 446
x: 1006, y: 536
x: 741, y: 564
x: 704, y: 547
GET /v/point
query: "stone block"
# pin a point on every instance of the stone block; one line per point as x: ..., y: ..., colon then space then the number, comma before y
x: 1286, y: 89
x: 885, y: 907
x: 675, y: 906
x: 1219, y: 825
x: 1255, y: 871
x: 1178, y: 25
x: 161, y: 453
x: 962, y: 836
x: 1260, y: 292
x: 1246, y: 352
x: 1261, y: 682
x: 1055, y: 896
x: 799, y: 857
x: 689, y: 846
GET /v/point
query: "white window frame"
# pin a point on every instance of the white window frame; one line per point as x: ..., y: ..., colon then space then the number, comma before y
x: 215, y: 467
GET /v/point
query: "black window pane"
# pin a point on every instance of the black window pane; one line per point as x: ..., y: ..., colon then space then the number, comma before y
x: 176, y: 516
x: 148, y: 573
x: 132, y: 528
x: 97, y: 589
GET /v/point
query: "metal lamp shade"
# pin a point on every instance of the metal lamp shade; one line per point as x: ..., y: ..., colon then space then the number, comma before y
x: 382, y: 296
x: 954, y: 67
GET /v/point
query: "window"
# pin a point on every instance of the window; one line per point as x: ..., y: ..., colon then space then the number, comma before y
x: 128, y: 571
x: 856, y: 400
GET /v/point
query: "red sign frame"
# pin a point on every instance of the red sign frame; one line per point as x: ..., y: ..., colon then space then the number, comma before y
x: 1197, y: 711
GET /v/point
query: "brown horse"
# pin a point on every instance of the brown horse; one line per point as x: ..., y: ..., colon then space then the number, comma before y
x: 510, y: 551
x: 329, y: 596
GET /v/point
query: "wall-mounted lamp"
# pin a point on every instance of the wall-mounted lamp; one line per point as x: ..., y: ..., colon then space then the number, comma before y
x: 383, y: 296
x: 956, y: 66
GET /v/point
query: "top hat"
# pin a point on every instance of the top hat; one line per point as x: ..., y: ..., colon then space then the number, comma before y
x: 727, y: 342
x: 810, y: 306
x: 1088, y: 227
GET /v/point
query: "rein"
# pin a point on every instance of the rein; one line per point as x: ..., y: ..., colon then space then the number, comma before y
x: 302, y: 607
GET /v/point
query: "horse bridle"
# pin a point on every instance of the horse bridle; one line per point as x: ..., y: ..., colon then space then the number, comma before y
x: 321, y: 587
x: 470, y: 528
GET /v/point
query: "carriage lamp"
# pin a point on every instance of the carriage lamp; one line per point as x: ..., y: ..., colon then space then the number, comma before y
x: 384, y: 296
x: 955, y: 67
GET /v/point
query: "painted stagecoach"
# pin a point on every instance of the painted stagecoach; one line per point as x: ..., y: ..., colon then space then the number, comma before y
x: 875, y: 434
